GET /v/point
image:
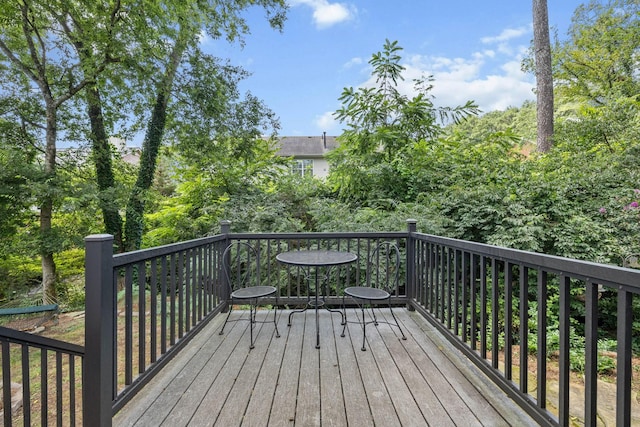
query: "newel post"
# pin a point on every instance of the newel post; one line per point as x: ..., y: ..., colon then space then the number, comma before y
x: 411, y: 262
x: 99, y: 335
x: 225, y: 229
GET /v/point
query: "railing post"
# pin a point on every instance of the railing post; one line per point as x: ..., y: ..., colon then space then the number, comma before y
x: 411, y: 263
x: 624, y: 367
x: 98, y: 386
x: 225, y: 228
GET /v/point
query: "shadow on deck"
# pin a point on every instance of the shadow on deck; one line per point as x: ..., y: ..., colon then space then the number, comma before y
x: 216, y: 380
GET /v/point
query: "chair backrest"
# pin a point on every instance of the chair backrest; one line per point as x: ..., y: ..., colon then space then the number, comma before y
x: 384, y: 267
x: 241, y: 265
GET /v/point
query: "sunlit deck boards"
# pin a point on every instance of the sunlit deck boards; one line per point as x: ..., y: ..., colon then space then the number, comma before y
x: 286, y: 381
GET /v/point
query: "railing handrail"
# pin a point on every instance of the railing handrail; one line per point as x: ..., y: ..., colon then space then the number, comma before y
x: 159, y: 251
x: 20, y: 337
x: 319, y: 235
x: 601, y: 273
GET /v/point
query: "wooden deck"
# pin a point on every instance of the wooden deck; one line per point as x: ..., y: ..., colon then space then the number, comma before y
x: 217, y: 380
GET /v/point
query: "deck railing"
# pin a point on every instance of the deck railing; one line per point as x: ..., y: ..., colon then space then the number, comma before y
x: 29, y: 396
x: 494, y: 304
x: 143, y: 306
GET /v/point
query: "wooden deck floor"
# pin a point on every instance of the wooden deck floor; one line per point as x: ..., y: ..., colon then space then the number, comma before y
x: 286, y: 381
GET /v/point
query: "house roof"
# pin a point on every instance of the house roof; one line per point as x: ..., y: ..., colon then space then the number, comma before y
x: 306, y: 146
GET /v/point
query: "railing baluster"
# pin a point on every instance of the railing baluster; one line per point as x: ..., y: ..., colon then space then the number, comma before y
x: 495, y: 311
x: 6, y: 382
x: 624, y: 371
x: 187, y: 283
x: 142, y: 323
x: 26, y: 385
x: 591, y: 354
x: 483, y: 307
x: 508, y: 321
x: 194, y: 287
x: 542, y: 339
x: 153, y: 311
x: 465, y: 296
x: 172, y: 305
x: 442, y: 288
x: 163, y: 305
x: 72, y: 390
x: 59, y: 389
x: 474, y: 316
x: 565, y: 330
x: 128, y: 326
x: 524, y: 328
x: 44, y: 388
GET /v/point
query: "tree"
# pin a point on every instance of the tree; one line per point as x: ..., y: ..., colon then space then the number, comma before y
x: 544, y: 77
x: 180, y: 26
x: 62, y: 49
x: 596, y: 75
x: 600, y: 60
x: 381, y: 123
x: 35, y: 59
x: 18, y: 172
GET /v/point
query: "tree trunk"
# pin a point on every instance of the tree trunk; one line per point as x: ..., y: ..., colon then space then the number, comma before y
x: 544, y: 77
x: 104, y: 170
x: 49, y: 291
x: 134, y: 224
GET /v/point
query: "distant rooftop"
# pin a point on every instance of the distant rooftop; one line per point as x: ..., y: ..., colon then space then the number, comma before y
x: 306, y: 146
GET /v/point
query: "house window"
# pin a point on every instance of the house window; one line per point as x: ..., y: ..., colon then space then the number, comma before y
x: 303, y: 167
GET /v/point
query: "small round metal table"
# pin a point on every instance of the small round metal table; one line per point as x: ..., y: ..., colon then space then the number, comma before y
x: 316, y: 259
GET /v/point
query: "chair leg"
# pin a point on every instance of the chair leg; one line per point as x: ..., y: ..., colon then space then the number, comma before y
x: 227, y: 319
x: 275, y: 320
x: 252, y: 321
x: 396, y: 320
x: 344, y: 317
x: 364, y: 328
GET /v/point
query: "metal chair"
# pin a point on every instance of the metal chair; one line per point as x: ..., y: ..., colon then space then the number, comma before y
x: 383, y: 273
x: 241, y: 266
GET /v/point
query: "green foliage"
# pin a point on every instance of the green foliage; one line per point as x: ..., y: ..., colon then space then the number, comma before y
x: 520, y: 122
x: 600, y: 57
x: 18, y: 275
x: 382, y: 124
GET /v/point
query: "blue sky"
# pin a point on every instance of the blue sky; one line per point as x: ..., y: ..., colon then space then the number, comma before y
x: 472, y: 48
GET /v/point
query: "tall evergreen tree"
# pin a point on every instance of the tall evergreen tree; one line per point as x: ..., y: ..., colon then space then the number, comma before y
x: 544, y: 77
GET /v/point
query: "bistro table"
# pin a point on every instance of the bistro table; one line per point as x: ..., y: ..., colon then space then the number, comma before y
x: 316, y: 259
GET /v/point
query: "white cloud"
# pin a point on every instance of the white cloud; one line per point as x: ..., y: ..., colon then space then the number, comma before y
x: 506, y: 35
x: 326, y: 14
x: 326, y: 122
x: 460, y: 80
x: 491, y: 78
x: 203, y: 38
x: 353, y: 62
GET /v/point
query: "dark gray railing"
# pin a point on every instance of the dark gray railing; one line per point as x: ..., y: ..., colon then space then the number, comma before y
x: 143, y: 306
x: 490, y: 301
x: 292, y: 280
x: 29, y: 396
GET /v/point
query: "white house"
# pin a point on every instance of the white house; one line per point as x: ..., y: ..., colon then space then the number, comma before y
x: 308, y: 152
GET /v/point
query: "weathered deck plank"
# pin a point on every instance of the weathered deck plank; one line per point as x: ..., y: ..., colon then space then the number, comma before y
x: 331, y: 397
x: 356, y: 405
x: 217, y: 380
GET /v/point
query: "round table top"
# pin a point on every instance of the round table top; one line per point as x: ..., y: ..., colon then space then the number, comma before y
x: 316, y: 258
